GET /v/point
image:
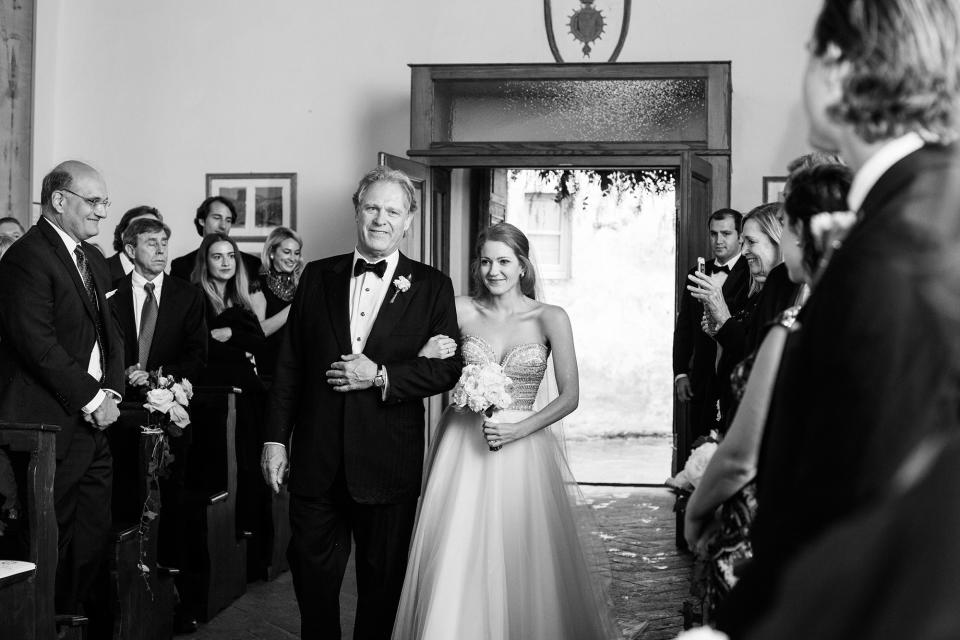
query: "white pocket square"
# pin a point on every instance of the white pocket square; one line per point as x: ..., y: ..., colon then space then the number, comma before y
x: 110, y: 293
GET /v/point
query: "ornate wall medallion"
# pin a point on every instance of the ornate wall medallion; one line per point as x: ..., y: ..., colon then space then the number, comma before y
x: 590, y: 30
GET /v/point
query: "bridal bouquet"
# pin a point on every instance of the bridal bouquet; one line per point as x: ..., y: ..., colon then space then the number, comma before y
x: 483, y: 389
x: 688, y: 479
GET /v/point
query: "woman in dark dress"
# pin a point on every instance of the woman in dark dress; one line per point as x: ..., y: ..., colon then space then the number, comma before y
x: 720, y: 512
x: 278, y: 279
x: 235, y: 346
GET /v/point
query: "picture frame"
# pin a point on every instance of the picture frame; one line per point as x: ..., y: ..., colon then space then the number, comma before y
x: 773, y: 188
x: 264, y: 201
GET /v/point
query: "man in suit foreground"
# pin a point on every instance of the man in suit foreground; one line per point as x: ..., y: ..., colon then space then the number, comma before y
x: 870, y: 372
x: 355, y: 421
x: 216, y: 214
x: 162, y: 320
x: 694, y: 351
x: 61, y: 363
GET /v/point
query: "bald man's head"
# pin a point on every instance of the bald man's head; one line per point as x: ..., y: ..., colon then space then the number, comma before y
x: 73, y: 196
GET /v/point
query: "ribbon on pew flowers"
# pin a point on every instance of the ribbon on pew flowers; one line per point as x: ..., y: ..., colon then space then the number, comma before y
x: 167, y: 399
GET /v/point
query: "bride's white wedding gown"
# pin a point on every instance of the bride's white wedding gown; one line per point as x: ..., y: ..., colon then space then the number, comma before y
x: 497, y: 553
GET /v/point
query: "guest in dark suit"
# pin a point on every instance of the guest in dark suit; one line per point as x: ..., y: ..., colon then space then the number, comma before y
x: 61, y: 362
x: 871, y: 371
x: 355, y: 421
x: 162, y: 320
x: 120, y: 265
x: 694, y: 351
x: 216, y: 214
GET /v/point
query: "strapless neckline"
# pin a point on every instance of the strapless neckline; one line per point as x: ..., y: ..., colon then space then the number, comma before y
x: 506, y: 354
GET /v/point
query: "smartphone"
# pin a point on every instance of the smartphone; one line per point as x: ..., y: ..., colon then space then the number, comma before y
x: 701, y: 265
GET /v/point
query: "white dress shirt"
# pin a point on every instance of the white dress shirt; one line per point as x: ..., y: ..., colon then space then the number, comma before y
x: 873, y: 169
x: 139, y: 296
x: 367, y: 292
x: 93, y: 366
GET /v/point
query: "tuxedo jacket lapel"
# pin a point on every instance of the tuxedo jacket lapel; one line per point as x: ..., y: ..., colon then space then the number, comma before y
x: 392, y: 307
x: 336, y: 282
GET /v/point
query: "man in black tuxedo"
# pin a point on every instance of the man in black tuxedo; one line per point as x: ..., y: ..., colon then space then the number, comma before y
x: 61, y: 362
x: 120, y: 265
x: 216, y: 214
x: 694, y: 351
x: 162, y: 320
x: 871, y: 370
x: 356, y: 420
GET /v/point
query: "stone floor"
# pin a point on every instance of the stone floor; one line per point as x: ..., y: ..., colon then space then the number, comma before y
x: 650, y: 578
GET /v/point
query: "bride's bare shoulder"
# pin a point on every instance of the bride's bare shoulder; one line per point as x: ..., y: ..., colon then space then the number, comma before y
x: 466, y: 307
x: 551, y: 315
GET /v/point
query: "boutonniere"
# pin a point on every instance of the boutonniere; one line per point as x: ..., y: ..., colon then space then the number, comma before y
x: 401, y: 284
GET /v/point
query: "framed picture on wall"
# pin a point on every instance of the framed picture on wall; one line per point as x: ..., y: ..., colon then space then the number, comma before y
x: 773, y: 188
x: 264, y: 201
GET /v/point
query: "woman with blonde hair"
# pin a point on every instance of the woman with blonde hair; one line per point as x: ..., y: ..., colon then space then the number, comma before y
x: 282, y: 264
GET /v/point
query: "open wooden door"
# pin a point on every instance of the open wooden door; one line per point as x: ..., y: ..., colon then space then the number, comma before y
x: 427, y: 241
x: 694, y: 203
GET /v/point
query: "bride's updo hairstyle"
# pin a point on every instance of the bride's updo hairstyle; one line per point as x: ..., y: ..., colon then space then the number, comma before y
x: 512, y: 237
x: 815, y: 190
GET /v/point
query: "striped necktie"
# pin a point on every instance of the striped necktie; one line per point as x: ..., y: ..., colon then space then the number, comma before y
x: 87, y: 278
x: 148, y: 324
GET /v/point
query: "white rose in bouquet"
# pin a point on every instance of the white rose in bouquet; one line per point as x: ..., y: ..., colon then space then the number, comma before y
x: 698, y: 461
x: 159, y: 400
x: 180, y: 394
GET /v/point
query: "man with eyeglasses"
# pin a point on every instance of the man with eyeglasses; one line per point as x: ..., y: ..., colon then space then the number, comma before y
x: 61, y: 363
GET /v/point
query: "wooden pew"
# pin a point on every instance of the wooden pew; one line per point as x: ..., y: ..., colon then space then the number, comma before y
x: 143, y: 601
x: 216, y: 571
x: 27, y: 598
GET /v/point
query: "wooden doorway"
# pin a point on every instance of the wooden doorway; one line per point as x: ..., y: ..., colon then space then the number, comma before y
x: 470, y: 117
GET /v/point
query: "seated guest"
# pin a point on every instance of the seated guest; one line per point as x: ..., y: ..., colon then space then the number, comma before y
x: 216, y: 214
x: 235, y: 342
x: 761, y: 248
x: 120, y: 265
x: 11, y: 228
x: 163, y: 322
x: 727, y: 483
x: 279, y: 276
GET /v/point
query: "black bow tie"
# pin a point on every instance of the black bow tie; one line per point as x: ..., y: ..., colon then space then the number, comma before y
x: 715, y: 269
x: 362, y: 265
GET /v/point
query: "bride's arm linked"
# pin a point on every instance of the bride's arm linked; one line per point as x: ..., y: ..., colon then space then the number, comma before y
x: 556, y: 328
x: 734, y: 463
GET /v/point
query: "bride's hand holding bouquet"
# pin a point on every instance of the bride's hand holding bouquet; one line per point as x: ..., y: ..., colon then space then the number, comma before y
x: 484, y: 389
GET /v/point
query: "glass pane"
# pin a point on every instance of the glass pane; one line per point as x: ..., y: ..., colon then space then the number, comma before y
x: 574, y: 110
x: 546, y: 248
x: 544, y: 211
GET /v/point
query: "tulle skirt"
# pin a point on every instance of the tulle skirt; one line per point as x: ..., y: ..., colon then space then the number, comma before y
x: 500, y: 551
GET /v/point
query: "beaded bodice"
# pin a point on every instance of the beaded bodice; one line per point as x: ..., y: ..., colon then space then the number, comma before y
x: 525, y: 364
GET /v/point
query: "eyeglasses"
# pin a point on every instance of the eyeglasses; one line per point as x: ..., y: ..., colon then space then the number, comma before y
x: 93, y: 202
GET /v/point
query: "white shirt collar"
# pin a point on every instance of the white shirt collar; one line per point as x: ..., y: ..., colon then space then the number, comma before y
x: 873, y: 169
x: 125, y: 262
x: 68, y: 242
x: 391, y: 259
x: 729, y: 263
x: 138, y: 281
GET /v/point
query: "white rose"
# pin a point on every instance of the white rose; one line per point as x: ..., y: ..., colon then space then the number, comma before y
x: 179, y: 416
x: 159, y: 399
x: 180, y: 394
x: 698, y: 461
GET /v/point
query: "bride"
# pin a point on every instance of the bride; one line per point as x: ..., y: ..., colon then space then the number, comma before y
x: 497, y: 553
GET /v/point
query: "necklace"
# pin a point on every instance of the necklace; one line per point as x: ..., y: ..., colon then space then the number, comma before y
x: 282, y: 285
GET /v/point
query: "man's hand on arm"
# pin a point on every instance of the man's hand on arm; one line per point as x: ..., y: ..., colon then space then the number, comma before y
x: 273, y: 464
x: 354, y: 372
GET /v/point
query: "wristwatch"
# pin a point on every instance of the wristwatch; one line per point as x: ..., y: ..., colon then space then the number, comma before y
x: 381, y: 378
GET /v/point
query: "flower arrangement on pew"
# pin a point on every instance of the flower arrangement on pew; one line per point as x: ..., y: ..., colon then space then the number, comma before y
x: 167, y: 399
x: 483, y: 389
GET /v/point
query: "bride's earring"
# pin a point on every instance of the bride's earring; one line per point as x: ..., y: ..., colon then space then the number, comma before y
x: 523, y: 273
